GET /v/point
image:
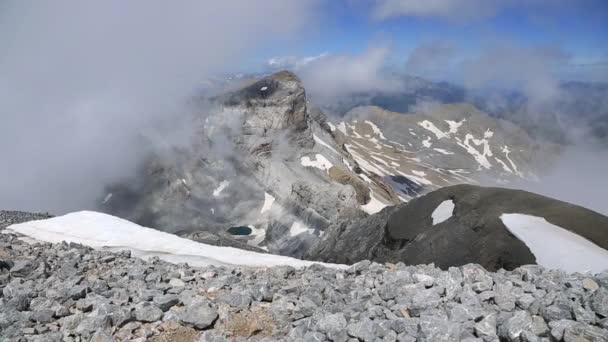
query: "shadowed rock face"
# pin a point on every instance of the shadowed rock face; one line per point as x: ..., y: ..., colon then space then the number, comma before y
x: 252, y: 145
x: 474, y: 232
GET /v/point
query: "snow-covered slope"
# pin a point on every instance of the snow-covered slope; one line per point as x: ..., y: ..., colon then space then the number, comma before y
x: 555, y: 247
x: 99, y: 230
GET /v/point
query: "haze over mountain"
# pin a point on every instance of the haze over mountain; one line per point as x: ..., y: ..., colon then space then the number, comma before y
x: 316, y: 170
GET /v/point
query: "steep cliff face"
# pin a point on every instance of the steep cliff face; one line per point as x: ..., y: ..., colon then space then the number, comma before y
x: 264, y: 158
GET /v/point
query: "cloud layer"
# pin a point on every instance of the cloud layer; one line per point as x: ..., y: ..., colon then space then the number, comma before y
x: 338, y: 75
x: 87, y: 87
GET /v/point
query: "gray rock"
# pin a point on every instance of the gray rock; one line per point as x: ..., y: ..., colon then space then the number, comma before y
x: 43, y: 316
x: 238, y: 300
x: 365, y: 330
x: 436, y: 329
x: 101, y: 336
x: 599, y: 302
x: 314, y: 336
x: 590, y: 284
x: 146, y: 312
x: 332, y: 323
x: 583, y: 315
x: 165, y: 302
x: 486, y: 327
x: 585, y: 332
x: 539, y: 327
x: 558, y: 328
x: 22, y: 268
x: 555, y: 313
x: 514, y: 326
x: 201, y: 315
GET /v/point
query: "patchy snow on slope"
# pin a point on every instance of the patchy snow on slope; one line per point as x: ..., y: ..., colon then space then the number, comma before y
x: 104, y: 231
x: 263, y: 88
x: 426, y: 124
x: 373, y: 206
x: 320, y: 162
x: 444, y: 211
x: 342, y: 127
x: 323, y: 143
x: 507, y: 151
x: 555, y: 247
x: 504, y: 165
x: 331, y: 126
x: 268, y: 201
x: 298, y: 228
x: 455, y: 125
x: 419, y: 173
x: 442, y: 151
x: 480, y: 157
x: 427, y: 142
x: 258, y: 235
x: 223, y: 185
x: 376, y: 130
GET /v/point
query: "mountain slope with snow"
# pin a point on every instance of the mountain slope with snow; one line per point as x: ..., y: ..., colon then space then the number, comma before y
x: 485, y: 227
x: 102, y: 231
x: 265, y: 159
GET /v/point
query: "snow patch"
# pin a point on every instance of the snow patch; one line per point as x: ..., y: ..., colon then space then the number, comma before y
x: 555, y: 247
x: 506, y: 151
x: 320, y: 162
x: 223, y: 185
x: 480, y: 157
x: 331, y: 126
x: 444, y: 211
x: 455, y: 125
x: 442, y: 151
x: 373, y: 206
x: 102, y: 231
x: 298, y: 228
x: 427, y: 142
x: 268, y: 201
x: 376, y: 130
x: 323, y: 143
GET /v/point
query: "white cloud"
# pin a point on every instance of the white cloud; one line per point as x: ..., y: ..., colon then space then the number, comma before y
x: 462, y: 9
x: 530, y: 69
x: 83, y: 81
x: 429, y: 58
x: 335, y: 75
x: 457, y: 9
x: 292, y: 62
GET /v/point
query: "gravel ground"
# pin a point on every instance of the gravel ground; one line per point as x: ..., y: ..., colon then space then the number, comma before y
x: 69, y: 292
x: 12, y: 217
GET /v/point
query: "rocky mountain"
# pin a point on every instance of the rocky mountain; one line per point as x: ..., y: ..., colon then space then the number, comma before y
x: 495, y: 227
x: 266, y: 160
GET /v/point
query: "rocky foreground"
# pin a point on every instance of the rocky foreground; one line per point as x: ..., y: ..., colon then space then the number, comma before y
x: 69, y: 292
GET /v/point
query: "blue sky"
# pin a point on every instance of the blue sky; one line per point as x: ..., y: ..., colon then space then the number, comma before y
x: 579, y: 29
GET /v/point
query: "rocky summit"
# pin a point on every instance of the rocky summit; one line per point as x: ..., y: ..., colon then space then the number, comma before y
x: 264, y: 158
x: 69, y: 292
x: 473, y: 228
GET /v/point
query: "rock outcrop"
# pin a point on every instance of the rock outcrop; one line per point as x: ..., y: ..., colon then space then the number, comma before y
x: 473, y: 231
x: 264, y: 158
